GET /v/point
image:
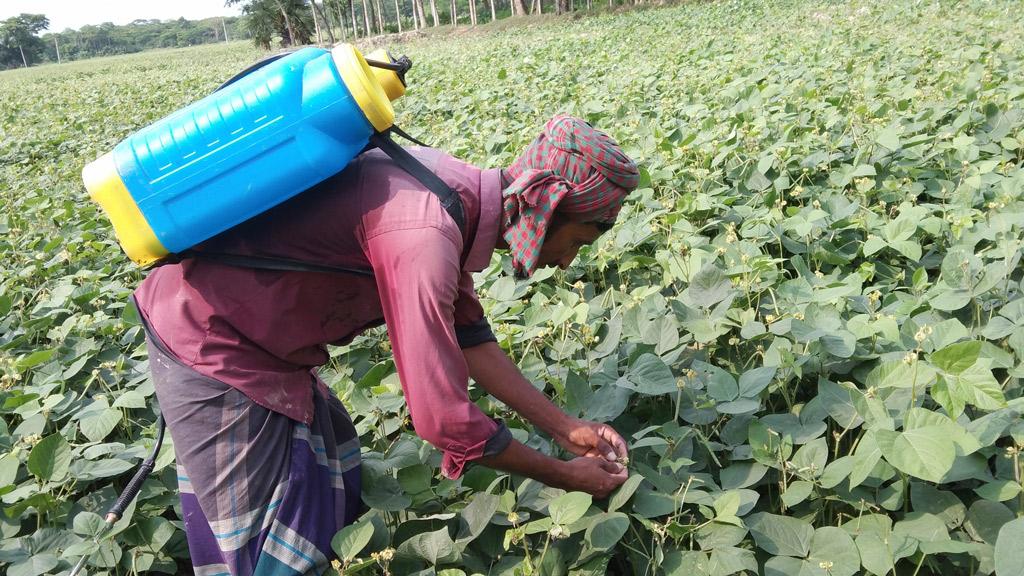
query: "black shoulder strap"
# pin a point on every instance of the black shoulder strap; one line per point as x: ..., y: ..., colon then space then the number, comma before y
x: 450, y: 201
x: 267, y: 263
x: 449, y: 198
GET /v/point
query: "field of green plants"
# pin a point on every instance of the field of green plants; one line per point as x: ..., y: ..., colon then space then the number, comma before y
x: 808, y: 323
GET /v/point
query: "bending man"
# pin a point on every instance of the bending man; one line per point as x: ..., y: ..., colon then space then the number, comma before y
x: 268, y: 458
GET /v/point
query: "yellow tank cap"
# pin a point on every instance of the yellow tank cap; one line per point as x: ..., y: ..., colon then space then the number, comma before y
x: 388, y: 79
x: 133, y: 231
x: 363, y: 85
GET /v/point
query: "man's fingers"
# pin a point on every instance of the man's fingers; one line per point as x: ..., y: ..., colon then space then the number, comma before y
x: 613, y: 468
x: 610, y: 435
x: 605, y: 449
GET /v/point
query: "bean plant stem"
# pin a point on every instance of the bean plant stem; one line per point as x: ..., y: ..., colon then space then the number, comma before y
x: 1016, y: 477
x: 920, y: 561
x: 913, y: 381
x: 540, y: 563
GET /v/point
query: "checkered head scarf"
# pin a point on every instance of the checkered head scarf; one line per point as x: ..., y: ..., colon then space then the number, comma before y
x: 570, y: 168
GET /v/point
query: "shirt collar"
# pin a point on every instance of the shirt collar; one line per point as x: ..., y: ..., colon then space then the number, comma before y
x: 489, y: 223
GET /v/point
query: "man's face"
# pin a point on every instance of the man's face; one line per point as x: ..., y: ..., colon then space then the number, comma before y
x: 563, y: 241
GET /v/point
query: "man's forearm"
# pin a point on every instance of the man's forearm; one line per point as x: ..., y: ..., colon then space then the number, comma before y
x: 495, y: 372
x: 520, y: 459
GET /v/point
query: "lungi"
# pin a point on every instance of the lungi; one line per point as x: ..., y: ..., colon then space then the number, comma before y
x: 261, y: 494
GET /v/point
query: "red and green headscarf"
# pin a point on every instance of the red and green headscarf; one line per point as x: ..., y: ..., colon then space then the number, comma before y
x: 570, y: 168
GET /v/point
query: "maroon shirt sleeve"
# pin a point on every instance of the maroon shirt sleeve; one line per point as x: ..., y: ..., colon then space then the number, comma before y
x: 418, y: 278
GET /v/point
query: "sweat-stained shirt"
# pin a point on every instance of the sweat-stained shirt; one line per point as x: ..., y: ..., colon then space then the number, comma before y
x: 263, y: 331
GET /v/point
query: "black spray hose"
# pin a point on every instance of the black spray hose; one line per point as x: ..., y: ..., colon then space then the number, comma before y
x: 131, y: 490
x: 145, y: 469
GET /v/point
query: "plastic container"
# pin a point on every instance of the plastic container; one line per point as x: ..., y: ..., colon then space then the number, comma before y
x: 241, y: 150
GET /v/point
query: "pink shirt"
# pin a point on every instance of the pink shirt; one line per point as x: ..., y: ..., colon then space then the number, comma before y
x: 263, y: 331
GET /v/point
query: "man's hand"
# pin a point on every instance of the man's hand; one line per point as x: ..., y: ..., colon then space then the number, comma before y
x: 591, y: 439
x: 595, y: 476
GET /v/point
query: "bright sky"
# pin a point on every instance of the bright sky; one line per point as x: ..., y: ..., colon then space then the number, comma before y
x: 77, y: 13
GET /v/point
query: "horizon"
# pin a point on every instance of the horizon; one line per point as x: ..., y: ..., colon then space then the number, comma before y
x: 71, y: 14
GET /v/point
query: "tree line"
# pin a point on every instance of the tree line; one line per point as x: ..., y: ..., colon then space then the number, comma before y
x: 266, y: 22
x: 296, y: 22
x: 22, y: 45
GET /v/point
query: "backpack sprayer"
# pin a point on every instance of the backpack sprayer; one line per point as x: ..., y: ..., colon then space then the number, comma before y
x: 270, y: 132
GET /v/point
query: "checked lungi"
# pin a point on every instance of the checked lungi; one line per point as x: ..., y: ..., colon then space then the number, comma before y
x: 261, y: 494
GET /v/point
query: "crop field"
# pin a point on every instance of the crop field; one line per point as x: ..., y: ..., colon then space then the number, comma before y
x: 808, y: 323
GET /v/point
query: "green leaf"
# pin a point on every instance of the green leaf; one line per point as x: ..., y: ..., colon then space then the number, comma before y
x: 50, y: 458
x: 477, y: 515
x: 719, y: 535
x: 956, y: 358
x: 872, y: 245
x: 999, y: 490
x: 837, y: 470
x: 1009, y: 556
x: 9, y: 465
x: 922, y: 527
x: 893, y: 374
x: 840, y: 343
x: 720, y: 384
x: 925, y: 453
x: 34, y: 359
x: 781, y: 535
x: 741, y: 475
x: 726, y: 505
x: 838, y: 401
x: 383, y: 492
x: 650, y: 375
x: 685, y: 563
x: 725, y: 561
x: 624, y: 492
x: 984, y: 519
x: 155, y: 531
x: 350, y: 540
x: 433, y: 547
x: 34, y: 566
x: 833, y: 552
x: 889, y: 138
x: 945, y: 505
x: 88, y: 524
x: 98, y: 424
x: 569, y: 507
x: 796, y: 492
x: 950, y: 300
x: 709, y: 287
x: 864, y: 459
x: 130, y: 399
x: 810, y: 458
x: 752, y: 382
x: 909, y: 248
x: 607, y: 402
x: 606, y: 530
x: 875, y: 554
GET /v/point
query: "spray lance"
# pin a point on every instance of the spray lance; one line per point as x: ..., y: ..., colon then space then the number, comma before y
x: 106, y: 181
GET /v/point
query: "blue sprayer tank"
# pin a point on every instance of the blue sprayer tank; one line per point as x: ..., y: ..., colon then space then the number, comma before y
x: 253, y: 144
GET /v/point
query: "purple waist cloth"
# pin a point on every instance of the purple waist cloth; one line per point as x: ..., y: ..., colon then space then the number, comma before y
x: 260, y: 492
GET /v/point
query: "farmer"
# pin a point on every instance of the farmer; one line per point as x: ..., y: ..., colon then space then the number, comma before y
x: 268, y: 459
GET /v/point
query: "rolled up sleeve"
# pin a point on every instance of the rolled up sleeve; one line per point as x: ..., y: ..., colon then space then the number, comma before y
x: 418, y: 277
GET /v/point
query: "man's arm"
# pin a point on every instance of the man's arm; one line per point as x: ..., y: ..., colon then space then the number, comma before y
x: 495, y: 372
x: 595, y: 476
